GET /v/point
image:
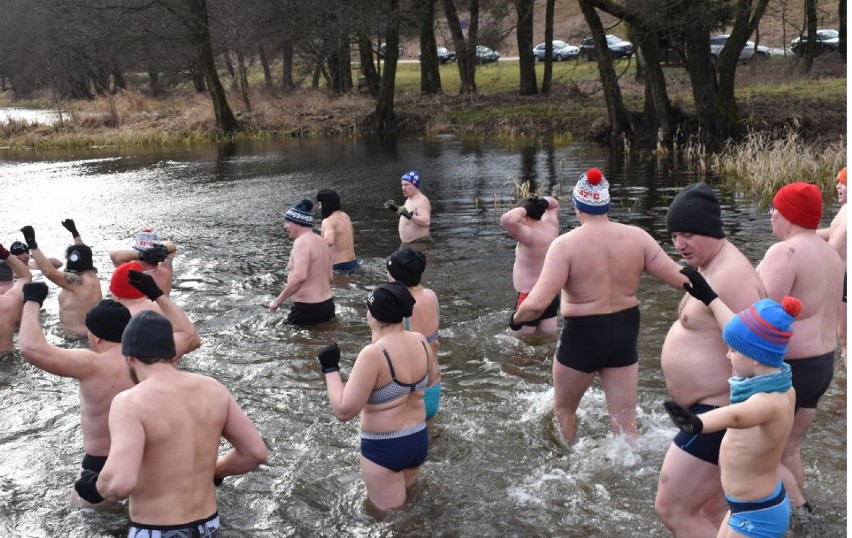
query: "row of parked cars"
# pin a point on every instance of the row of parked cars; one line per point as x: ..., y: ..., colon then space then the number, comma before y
x: 563, y: 51
x: 484, y: 55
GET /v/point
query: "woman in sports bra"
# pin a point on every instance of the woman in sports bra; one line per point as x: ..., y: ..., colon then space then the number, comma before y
x: 386, y: 387
x: 406, y: 266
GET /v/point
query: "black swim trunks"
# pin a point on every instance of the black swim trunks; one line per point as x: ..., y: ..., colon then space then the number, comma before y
x: 308, y: 313
x: 811, y: 378
x: 704, y: 446
x: 550, y: 312
x: 590, y: 343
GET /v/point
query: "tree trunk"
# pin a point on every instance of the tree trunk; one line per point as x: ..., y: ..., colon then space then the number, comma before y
x: 524, y: 34
x: 657, y: 113
x: 225, y: 119
x: 811, y: 27
x: 243, y: 79
x: 118, y: 82
x: 264, y: 63
x: 430, y: 74
x: 548, y: 53
x: 232, y: 73
x: 702, y: 75
x: 618, y: 117
x: 372, y: 79
x: 287, y: 65
x: 339, y: 65
x: 465, y: 48
x: 384, y: 116
x: 154, y: 82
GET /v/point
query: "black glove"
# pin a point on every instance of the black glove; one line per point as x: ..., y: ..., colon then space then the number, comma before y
x: 29, y: 236
x: 86, y: 487
x: 390, y: 204
x: 687, y: 421
x: 71, y: 227
x: 35, y: 291
x: 402, y: 212
x: 217, y: 481
x: 155, y: 254
x: 698, y: 286
x: 144, y: 283
x: 512, y: 324
x: 4, y: 253
x: 329, y: 358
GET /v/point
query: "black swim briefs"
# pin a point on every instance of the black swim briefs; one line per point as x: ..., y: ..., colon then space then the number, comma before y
x: 590, y: 343
x: 811, y: 378
x: 307, y: 313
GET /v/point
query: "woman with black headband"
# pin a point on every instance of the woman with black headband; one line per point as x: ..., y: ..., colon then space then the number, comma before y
x: 386, y: 387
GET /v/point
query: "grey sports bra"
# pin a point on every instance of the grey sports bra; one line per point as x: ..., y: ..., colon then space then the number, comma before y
x: 395, y: 390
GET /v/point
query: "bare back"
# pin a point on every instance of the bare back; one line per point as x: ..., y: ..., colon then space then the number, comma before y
x: 531, y: 250
x: 604, y: 262
x: 338, y: 233
x: 837, y: 233
x: 694, y: 356
x: 749, y: 457
x: 107, y: 377
x: 806, y: 267
x: 181, y: 442
x: 425, y: 319
x: 80, y: 292
x: 311, y: 259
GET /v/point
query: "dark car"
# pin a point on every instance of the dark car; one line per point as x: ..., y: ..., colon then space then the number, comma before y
x: 618, y: 47
x: 485, y: 55
x: 444, y: 56
x: 827, y: 40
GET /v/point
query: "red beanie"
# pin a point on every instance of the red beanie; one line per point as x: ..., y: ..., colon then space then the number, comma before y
x: 800, y: 203
x: 119, y: 284
x: 841, y: 176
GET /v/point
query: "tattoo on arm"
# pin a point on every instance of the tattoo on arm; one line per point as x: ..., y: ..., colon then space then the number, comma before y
x: 73, y: 278
x: 655, y: 256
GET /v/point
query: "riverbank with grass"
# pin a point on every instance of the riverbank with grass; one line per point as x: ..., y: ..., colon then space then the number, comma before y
x: 798, y: 120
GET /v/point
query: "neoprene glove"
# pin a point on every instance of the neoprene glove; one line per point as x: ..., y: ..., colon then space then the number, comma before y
x: 698, y: 286
x: 4, y: 253
x: 71, y: 227
x: 35, y: 291
x: 29, y: 236
x: 687, y: 421
x: 404, y: 213
x: 512, y: 325
x: 390, y: 204
x: 329, y: 358
x: 155, y: 254
x: 144, y: 283
x: 86, y: 486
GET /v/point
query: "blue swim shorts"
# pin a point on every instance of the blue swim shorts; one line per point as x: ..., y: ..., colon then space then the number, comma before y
x: 403, y: 449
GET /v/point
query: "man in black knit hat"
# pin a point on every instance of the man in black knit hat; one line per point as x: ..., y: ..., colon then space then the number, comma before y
x: 308, y: 271
x: 695, y: 365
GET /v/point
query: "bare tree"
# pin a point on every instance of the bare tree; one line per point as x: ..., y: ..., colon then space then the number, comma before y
x: 430, y: 74
x: 524, y: 34
x: 465, y: 47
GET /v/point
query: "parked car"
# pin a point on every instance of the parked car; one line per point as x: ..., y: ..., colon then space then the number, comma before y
x: 485, y: 55
x: 827, y: 40
x: 383, y: 47
x: 561, y: 51
x: 747, y: 54
x: 618, y: 47
x: 444, y: 55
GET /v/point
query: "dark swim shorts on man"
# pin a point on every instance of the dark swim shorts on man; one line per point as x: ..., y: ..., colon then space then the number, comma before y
x: 308, y: 313
x: 590, y: 343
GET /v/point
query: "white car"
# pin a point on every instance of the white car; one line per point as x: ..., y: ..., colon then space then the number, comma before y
x: 717, y: 42
x: 561, y: 51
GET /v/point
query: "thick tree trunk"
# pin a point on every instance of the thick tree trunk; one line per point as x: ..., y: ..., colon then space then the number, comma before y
x: 548, y: 53
x: 372, y: 79
x: 287, y: 81
x: 264, y: 63
x: 811, y: 28
x: 243, y: 79
x: 618, y: 117
x: 702, y: 75
x: 339, y: 65
x: 430, y: 74
x: 658, y: 109
x: 384, y: 116
x: 225, y: 119
x: 524, y: 34
x: 841, y: 12
x: 118, y: 82
x: 465, y: 48
x: 154, y: 82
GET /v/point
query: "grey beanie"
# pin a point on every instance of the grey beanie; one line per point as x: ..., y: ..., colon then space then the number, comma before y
x: 695, y: 210
x: 148, y: 335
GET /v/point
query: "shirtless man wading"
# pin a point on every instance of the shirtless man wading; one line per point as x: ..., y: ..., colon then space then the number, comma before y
x: 690, y: 501
x: 338, y: 233
x: 835, y: 234
x: 415, y: 216
x: 308, y: 272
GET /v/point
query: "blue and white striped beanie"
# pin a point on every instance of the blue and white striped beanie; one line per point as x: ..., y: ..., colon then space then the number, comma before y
x: 301, y: 213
